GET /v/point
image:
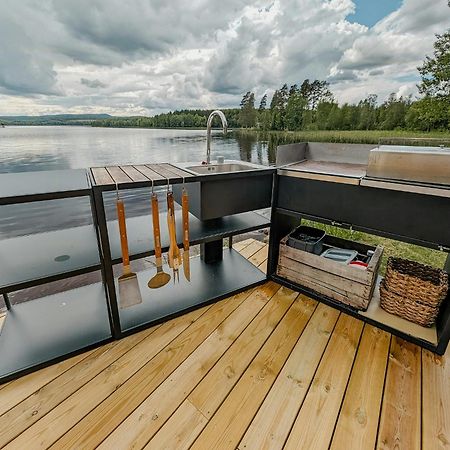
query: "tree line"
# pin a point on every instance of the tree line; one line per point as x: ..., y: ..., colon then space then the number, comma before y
x: 187, y: 118
x: 311, y: 106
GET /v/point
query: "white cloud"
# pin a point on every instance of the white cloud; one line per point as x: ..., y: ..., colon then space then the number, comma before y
x: 392, y: 49
x: 148, y: 56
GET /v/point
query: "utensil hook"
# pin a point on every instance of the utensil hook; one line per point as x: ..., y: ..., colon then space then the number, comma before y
x: 153, y: 186
x: 117, y: 191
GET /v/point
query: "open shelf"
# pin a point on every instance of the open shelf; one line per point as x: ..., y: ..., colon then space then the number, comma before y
x: 44, y: 257
x: 375, y: 315
x: 209, y: 282
x: 41, y: 330
x: 43, y: 185
x: 140, y: 231
x: 348, y: 226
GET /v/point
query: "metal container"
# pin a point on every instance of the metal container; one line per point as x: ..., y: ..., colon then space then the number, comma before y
x: 412, y: 164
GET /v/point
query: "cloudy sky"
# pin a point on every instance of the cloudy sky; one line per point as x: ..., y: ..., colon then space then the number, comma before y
x: 128, y: 57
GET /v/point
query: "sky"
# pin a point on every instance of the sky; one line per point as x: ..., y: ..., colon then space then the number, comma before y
x: 133, y: 57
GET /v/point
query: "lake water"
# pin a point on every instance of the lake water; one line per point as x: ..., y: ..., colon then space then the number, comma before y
x: 24, y: 149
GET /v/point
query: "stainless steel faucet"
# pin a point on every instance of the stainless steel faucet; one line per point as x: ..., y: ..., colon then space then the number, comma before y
x: 208, y: 131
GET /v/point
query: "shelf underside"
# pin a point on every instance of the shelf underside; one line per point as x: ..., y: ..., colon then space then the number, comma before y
x: 208, y: 282
x: 43, y: 257
x: 40, y: 330
x: 376, y: 315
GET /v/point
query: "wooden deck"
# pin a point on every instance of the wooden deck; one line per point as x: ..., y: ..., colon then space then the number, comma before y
x: 264, y: 369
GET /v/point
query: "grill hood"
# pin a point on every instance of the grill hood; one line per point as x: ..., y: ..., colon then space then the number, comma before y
x: 428, y: 165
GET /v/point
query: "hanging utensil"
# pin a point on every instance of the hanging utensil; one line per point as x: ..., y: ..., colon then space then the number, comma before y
x: 174, y: 251
x: 185, y: 214
x: 161, y: 278
x: 129, y: 292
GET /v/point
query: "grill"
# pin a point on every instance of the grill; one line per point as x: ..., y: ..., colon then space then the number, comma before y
x: 423, y: 170
x: 428, y: 165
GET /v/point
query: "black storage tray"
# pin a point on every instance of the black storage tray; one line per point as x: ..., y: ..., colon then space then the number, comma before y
x: 306, y: 238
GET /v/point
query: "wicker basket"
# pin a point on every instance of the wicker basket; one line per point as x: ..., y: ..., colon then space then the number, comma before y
x: 413, y: 291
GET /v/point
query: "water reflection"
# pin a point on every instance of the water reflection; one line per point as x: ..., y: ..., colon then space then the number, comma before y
x: 24, y: 149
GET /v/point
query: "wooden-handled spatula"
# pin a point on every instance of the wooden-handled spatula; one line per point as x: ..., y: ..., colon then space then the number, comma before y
x: 129, y: 292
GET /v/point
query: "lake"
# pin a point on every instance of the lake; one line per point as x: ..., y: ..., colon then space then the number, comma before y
x: 24, y: 149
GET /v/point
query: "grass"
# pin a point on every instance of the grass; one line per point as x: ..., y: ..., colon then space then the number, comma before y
x: 351, y: 137
x: 422, y: 255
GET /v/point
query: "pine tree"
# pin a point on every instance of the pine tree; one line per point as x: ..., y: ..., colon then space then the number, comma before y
x: 247, y: 115
x: 263, y: 103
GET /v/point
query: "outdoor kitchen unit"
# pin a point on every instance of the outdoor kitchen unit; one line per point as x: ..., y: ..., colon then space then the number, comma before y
x: 398, y: 192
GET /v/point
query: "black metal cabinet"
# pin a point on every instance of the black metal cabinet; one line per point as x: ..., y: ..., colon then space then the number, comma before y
x: 56, y: 323
x: 66, y: 322
x: 410, y: 217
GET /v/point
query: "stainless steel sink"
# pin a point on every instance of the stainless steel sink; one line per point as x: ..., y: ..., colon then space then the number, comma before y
x: 240, y: 187
x: 220, y: 168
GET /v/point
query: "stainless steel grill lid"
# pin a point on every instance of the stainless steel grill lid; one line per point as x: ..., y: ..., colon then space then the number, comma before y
x: 429, y: 165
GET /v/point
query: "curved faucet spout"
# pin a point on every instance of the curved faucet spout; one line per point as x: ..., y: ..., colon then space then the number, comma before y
x: 208, y: 131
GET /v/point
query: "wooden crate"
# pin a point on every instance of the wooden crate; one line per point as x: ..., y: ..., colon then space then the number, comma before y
x: 340, y: 282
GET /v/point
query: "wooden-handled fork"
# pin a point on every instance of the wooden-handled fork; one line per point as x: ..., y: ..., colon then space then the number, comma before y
x: 174, y: 252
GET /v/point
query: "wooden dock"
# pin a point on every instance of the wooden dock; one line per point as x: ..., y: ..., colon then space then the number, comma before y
x: 267, y: 368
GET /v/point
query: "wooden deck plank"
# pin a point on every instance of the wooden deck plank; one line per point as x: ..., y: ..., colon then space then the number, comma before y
x: 400, y: 419
x: 55, y: 424
x: 435, y: 401
x: 101, y: 176
x: 118, y: 175
x: 4, y: 385
x: 189, y: 423
x: 239, y: 246
x: 230, y: 422
x: 273, y: 422
x: 134, y: 174
x: 103, y: 403
x: 139, y: 427
x: 18, y: 390
x: 110, y: 413
x: 263, y: 266
x: 314, y: 425
x: 26, y: 413
x: 260, y: 256
x: 358, y: 421
x: 215, y: 386
x: 212, y: 390
x: 250, y: 250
